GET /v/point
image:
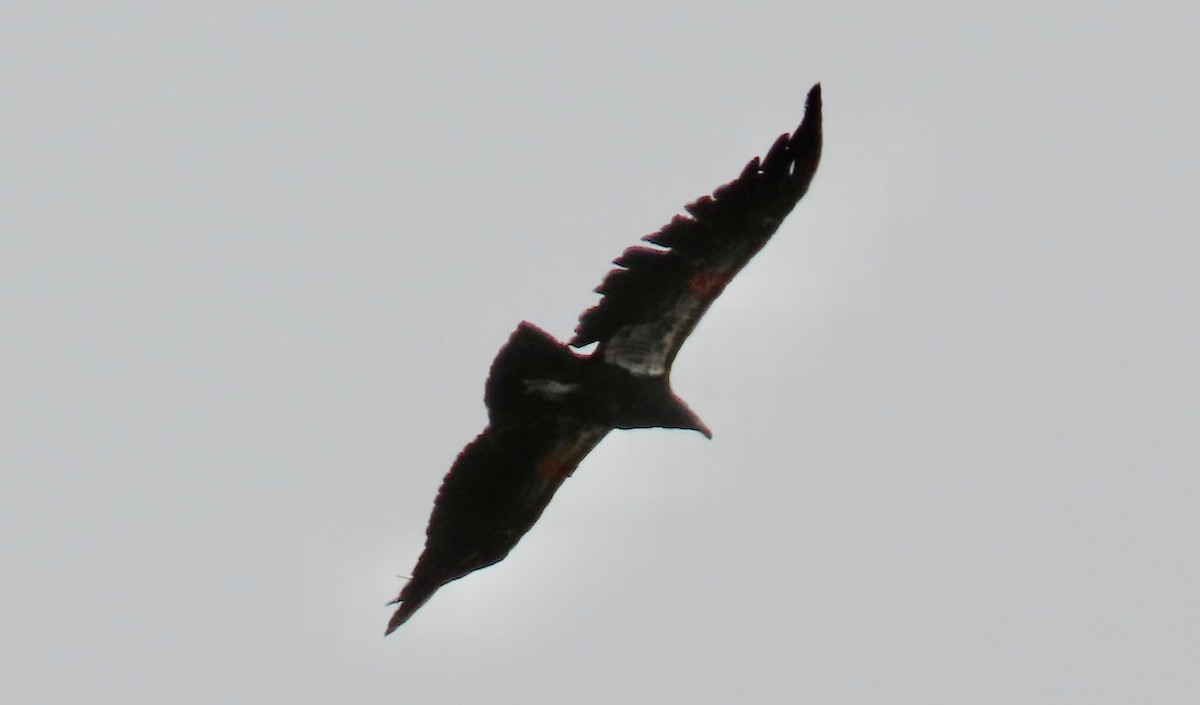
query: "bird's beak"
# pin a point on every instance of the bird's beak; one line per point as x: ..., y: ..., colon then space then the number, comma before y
x: 693, y: 421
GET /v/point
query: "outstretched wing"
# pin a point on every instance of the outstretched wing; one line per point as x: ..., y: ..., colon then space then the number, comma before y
x: 494, y: 493
x: 654, y: 299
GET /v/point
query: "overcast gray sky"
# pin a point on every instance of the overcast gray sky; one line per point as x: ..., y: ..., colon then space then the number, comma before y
x: 257, y: 258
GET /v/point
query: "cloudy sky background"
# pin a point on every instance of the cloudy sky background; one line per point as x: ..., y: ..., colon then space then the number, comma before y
x: 256, y: 259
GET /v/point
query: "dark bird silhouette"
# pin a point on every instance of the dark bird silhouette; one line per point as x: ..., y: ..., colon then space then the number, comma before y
x: 548, y: 406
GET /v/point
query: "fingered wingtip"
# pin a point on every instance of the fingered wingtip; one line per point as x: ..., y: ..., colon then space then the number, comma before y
x: 409, y: 604
x: 806, y: 143
x: 400, y: 617
x: 812, y: 104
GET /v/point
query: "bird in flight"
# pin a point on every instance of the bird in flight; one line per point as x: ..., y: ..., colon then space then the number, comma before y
x: 548, y: 406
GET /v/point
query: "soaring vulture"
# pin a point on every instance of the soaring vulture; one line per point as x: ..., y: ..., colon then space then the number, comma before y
x: 548, y: 406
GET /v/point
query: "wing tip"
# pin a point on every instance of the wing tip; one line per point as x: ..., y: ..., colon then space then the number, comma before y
x: 408, y: 605
x: 394, y: 624
x: 806, y: 144
x: 789, y: 165
x: 811, y: 123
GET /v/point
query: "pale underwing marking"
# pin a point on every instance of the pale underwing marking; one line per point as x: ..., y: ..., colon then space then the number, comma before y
x: 548, y: 388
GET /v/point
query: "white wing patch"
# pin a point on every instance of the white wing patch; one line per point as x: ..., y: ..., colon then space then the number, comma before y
x: 640, y: 349
x: 550, y: 389
x: 644, y: 349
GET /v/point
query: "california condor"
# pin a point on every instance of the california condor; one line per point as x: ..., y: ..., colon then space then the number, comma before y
x: 548, y: 406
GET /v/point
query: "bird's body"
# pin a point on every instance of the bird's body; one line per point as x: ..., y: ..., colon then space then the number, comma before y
x: 549, y: 406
